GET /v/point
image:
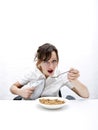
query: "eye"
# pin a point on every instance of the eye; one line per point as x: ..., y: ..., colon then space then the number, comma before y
x: 54, y: 62
x: 45, y: 62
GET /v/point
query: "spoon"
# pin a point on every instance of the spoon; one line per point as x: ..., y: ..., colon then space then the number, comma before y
x: 59, y: 74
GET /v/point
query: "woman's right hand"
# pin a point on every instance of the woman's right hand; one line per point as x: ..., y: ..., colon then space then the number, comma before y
x: 18, y: 89
x: 26, y: 92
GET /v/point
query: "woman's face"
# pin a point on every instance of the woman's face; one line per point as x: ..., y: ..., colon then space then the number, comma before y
x: 48, y: 67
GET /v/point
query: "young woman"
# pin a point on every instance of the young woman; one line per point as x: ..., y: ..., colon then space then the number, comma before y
x: 43, y: 80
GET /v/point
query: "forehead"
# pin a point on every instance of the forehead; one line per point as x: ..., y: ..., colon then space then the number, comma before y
x: 53, y: 55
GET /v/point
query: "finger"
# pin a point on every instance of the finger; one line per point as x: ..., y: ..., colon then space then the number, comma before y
x: 73, y: 77
x: 73, y: 74
x: 71, y: 69
x: 32, y: 88
x: 74, y: 71
x: 30, y: 92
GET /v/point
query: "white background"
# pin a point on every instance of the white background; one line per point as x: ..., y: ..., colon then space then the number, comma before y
x: 71, y: 25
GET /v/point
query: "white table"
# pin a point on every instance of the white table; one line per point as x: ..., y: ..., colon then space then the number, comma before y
x: 28, y: 115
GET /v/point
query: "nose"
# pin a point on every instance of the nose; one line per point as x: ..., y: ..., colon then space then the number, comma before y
x: 50, y: 65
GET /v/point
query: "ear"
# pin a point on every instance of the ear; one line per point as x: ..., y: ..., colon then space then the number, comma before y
x: 38, y: 64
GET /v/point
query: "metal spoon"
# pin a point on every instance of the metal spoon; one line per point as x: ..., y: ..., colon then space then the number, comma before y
x: 59, y: 74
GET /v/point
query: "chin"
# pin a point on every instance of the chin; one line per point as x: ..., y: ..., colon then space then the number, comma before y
x: 49, y: 75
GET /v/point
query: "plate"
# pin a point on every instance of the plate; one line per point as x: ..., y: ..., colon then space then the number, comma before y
x: 52, y: 102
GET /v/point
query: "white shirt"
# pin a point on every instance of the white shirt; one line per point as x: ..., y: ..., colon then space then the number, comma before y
x: 44, y: 87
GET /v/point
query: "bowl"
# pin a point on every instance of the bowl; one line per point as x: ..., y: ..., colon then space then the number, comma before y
x: 52, y: 102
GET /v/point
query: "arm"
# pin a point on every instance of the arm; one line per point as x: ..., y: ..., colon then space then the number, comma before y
x: 17, y: 89
x: 78, y: 87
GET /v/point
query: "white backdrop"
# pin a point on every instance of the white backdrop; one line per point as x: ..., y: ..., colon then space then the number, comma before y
x: 71, y: 25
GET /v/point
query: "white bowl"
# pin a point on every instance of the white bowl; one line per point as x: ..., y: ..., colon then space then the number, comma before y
x: 53, y: 106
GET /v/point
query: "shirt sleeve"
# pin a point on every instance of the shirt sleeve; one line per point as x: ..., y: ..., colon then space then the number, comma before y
x: 27, y: 77
x: 68, y: 84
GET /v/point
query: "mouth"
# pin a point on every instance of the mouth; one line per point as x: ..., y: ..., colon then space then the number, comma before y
x: 50, y: 71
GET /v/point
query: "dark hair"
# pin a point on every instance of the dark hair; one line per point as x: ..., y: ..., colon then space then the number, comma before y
x: 44, y: 52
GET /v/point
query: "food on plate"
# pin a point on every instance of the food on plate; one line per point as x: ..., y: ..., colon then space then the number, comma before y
x: 51, y: 101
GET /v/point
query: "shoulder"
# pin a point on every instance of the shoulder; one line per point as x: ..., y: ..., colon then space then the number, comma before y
x: 34, y: 73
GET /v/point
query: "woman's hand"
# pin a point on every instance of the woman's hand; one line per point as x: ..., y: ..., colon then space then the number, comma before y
x: 18, y: 89
x: 26, y: 92
x: 73, y: 74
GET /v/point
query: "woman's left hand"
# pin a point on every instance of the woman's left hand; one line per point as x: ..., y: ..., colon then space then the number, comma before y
x: 73, y: 74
